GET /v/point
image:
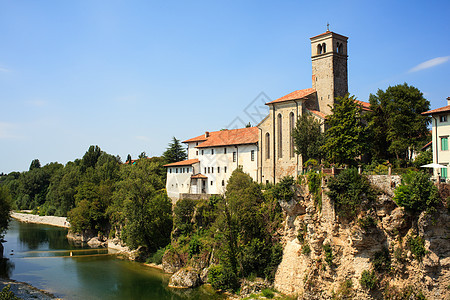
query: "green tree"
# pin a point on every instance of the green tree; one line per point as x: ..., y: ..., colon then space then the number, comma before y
x: 346, y: 134
x: 142, y: 155
x: 129, y: 159
x: 175, y: 152
x: 416, y: 193
x: 424, y: 158
x: 308, y: 137
x: 35, y: 164
x: 395, y: 121
x: 5, y: 207
x: 91, y: 156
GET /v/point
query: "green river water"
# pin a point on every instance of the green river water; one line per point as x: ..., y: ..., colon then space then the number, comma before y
x: 42, y: 256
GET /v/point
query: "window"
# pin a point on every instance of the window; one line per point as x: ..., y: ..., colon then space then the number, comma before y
x: 324, y: 48
x: 211, y: 182
x: 252, y: 155
x: 291, y: 129
x: 319, y: 49
x: 212, y: 169
x: 176, y: 170
x: 225, y: 169
x: 196, y: 144
x: 218, y: 169
x: 196, y: 152
x: 280, y: 136
x: 203, y: 152
x: 224, y: 150
x: 234, y: 156
x: 223, y: 182
x: 205, y: 170
x: 444, y: 173
x: 267, y: 145
x: 170, y: 170
x: 212, y: 151
x: 208, y: 169
x: 443, y: 119
x: 444, y: 143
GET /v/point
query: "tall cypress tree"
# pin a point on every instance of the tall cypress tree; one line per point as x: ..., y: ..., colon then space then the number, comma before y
x: 175, y: 152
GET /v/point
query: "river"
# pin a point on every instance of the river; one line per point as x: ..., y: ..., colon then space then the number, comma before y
x: 42, y: 256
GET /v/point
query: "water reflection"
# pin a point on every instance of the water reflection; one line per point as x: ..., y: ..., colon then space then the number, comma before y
x: 6, y: 267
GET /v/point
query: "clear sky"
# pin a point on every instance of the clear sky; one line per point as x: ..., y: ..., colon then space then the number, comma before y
x: 129, y: 75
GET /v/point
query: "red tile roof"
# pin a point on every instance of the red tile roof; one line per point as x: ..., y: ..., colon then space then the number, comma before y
x: 188, y: 162
x: 437, y: 110
x: 199, y: 138
x: 317, y: 113
x: 364, y: 105
x: 240, y: 136
x: 201, y: 176
x: 427, y: 145
x: 327, y: 32
x: 299, y: 94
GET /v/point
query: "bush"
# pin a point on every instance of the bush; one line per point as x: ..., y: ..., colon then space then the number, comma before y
x: 328, y: 254
x: 306, y: 250
x: 268, y: 293
x: 314, y: 186
x: 367, y: 222
x: 417, y: 247
x: 347, y: 190
x: 425, y: 157
x: 6, y: 294
x: 183, y: 213
x: 381, y: 261
x: 283, y: 190
x: 368, y: 279
x: 156, y: 258
x: 416, y: 193
x: 194, y: 246
x: 222, y: 278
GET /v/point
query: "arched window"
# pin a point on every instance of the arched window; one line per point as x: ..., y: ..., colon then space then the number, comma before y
x: 341, y: 48
x: 324, y: 48
x: 280, y: 136
x: 267, y: 145
x: 319, y: 49
x: 291, y: 131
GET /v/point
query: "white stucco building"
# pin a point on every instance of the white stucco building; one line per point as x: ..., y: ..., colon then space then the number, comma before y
x: 440, y: 121
x: 212, y: 157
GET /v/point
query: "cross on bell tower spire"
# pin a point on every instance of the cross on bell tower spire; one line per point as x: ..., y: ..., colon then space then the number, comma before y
x: 328, y: 26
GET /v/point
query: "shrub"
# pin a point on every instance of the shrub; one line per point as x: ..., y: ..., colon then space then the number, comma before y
x: 156, y: 258
x: 347, y: 190
x: 314, y: 185
x: 7, y: 294
x: 328, y: 254
x: 368, y: 279
x: 345, y: 290
x: 268, y: 293
x: 194, y: 246
x: 222, y: 278
x: 306, y: 250
x: 381, y: 261
x: 417, y: 247
x: 283, y: 190
x: 183, y: 213
x: 416, y: 193
x: 367, y: 222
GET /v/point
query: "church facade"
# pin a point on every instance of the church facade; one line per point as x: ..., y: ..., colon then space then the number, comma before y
x: 266, y: 152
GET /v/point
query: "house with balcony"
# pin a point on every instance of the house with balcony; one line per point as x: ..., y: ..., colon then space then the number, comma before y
x: 440, y: 121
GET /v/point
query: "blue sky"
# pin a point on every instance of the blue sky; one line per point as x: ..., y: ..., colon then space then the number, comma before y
x: 129, y: 75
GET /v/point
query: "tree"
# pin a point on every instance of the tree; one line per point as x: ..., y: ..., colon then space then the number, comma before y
x: 91, y: 156
x: 35, y: 164
x: 5, y: 207
x: 308, y: 138
x: 175, y: 152
x: 129, y: 159
x: 395, y: 121
x: 142, y: 155
x: 346, y: 134
x: 416, y: 193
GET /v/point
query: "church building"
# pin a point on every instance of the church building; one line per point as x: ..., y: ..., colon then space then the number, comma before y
x: 266, y: 152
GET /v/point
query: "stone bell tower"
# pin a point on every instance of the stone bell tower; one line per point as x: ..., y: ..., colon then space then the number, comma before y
x: 329, y: 68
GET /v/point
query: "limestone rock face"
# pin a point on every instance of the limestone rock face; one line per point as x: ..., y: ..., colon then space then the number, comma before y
x: 172, y: 262
x: 185, y: 278
x: 94, y: 242
x: 253, y: 287
x: 397, y: 221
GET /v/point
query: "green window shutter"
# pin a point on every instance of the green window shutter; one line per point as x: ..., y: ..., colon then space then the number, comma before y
x: 444, y: 144
x: 444, y: 173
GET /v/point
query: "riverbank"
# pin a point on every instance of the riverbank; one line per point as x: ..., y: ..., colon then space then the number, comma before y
x: 25, y: 291
x: 47, y: 220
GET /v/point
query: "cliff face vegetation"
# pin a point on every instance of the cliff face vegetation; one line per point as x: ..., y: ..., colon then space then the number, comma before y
x: 352, y: 237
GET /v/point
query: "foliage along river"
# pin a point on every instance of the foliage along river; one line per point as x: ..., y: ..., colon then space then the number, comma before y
x: 42, y: 256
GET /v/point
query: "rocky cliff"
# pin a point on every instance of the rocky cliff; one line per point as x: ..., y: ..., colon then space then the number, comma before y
x: 384, y: 253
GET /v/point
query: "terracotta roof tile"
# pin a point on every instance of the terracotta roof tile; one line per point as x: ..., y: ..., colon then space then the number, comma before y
x: 427, y: 145
x: 199, y: 138
x: 317, y: 113
x: 299, y: 94
x: 437, y: 110
x: 364, y: 105
x: 327, y: 32
x: 231, y: 137
x: 188, y: 162
x: 199, y: 175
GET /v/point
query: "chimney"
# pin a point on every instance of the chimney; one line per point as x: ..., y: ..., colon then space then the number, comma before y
x: 448, y: 100
x: 207, y: 133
